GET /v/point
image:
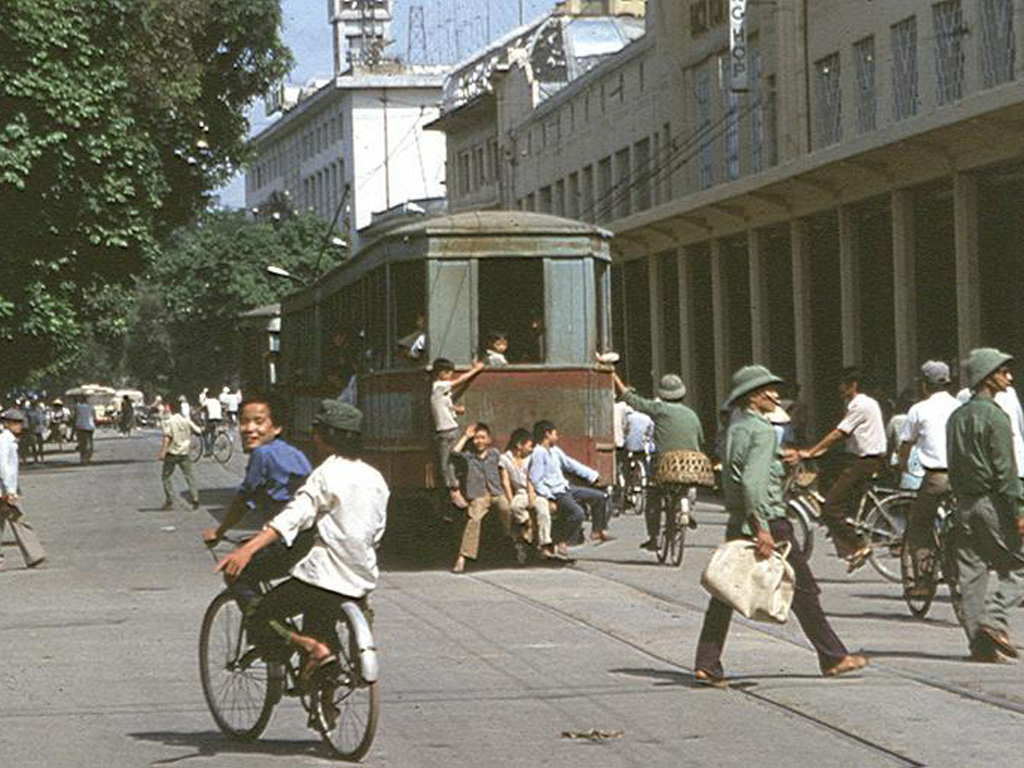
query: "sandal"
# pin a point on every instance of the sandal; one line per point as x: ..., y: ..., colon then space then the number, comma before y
x: 313, y: 667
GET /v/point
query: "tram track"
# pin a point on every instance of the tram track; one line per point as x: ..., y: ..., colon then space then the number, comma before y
x: 840, y: 732
x: 920, y: 678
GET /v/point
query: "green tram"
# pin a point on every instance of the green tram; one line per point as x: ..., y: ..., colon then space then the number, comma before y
x: 542, y: 280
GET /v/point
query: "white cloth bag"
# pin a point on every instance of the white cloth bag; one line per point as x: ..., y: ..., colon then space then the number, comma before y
x: 761, y: 590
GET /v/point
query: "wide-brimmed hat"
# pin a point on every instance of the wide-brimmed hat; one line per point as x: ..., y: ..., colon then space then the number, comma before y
x: 12, y: 414
x: 748, y: 379
x: 935, y: 372
x: 983, y: 362
x: 671, y: 387
x: 341, y: 416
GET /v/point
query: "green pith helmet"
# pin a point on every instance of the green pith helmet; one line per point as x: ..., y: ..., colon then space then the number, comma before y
x: 982, y: 363
x: 748, y: 379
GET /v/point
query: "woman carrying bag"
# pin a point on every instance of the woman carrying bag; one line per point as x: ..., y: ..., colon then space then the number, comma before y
x: 752, y: 477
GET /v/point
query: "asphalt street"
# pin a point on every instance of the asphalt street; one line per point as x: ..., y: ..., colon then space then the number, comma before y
x: 491, y: 668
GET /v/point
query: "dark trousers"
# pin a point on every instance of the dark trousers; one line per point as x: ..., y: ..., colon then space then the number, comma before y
x: 842, y: 500
x: 272, y: 562
x: 569, y: 523
x: 320, y: 610
x: 806, y: 606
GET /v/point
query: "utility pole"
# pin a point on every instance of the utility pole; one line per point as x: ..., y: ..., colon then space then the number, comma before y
x: 520, y: 13
x: 387, y: 153
x: 417, y: 51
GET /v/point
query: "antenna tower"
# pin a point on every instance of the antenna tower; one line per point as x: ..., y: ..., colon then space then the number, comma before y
x: 417, y: 51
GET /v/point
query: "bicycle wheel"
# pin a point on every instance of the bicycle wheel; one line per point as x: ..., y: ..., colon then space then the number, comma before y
x: 195, y: 448
x: 223, y: 447
x: 662, y: 541
x: 951, y: 571
x: 345, y: 706
x: 883, y: 529
x: 803, y: 530
x: 240, y: 688
x: 677, y: 535
x: 918, y: 602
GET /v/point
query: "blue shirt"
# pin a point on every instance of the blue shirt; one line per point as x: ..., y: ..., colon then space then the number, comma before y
x: 275, y: 472
x: 547, y: 466
x: 639, y: 432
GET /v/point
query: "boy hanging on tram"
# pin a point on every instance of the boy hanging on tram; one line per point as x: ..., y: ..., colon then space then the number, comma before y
x: 446, y: 423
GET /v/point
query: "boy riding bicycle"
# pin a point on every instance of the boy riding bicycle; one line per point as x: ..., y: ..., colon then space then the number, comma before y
x: 345, y: 502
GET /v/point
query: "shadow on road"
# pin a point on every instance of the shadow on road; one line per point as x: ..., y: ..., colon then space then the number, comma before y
x: 921, y: 655
x: 213, y: 743
x: 902, y: 618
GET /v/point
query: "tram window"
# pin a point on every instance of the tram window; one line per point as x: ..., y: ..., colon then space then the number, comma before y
x: 376, y: 319
x: 408, y: 302
x: 511, y: 293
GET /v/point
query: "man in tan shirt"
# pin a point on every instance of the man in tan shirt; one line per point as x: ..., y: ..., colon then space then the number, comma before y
x: 177, y: 439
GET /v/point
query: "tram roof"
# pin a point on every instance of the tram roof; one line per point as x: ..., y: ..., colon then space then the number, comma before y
x: 497, y: 223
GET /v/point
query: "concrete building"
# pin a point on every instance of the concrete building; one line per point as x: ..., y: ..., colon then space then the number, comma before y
x: 356, y: 144
x: 858, y: 204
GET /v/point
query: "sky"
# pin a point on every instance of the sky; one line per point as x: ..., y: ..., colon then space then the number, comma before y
x: 454, y: 28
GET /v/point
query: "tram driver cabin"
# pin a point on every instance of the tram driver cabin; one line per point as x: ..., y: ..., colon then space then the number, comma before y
x: 543, y: 280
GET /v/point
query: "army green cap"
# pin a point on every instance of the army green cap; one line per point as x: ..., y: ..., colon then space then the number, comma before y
x: 982, y: 363
x: 671, y: 387
x: 750, y: 378
x: 335, y: 414
x: 12, y: 414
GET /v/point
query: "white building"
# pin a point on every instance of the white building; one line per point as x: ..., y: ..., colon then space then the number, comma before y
x: 354, y: 145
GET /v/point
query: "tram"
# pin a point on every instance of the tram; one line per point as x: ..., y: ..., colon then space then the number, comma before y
x: 447, y: 282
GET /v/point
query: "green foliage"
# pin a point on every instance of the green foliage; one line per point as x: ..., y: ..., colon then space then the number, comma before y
x: 185, y: 317
x: 117, y: 117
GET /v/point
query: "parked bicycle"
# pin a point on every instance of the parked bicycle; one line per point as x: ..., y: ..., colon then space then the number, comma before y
x: 921, y: 581
x: 221, y: 445
x: 242, y: 689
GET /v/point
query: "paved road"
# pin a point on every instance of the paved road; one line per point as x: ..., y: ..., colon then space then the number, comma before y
x: 486, y: 669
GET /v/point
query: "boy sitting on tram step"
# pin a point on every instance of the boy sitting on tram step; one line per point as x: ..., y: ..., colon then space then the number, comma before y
x: 446, y: 423
x: 522, y: 498
x: 497, y: 346
x: 547, y: 467
x: 483, y: 490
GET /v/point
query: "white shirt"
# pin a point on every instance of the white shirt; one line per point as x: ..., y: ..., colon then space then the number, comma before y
x: 925, y: 427
x: 1010, y: 404
x: 864, y: 427
x: 185, y: 409
x: 347, y: 501
x: 443, y: 407
x: 8, y: 462
x: 213, y: 411
x: 85, y: 417
x: 621, y: 411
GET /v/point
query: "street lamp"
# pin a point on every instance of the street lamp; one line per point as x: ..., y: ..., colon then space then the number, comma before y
x: 277, y: 271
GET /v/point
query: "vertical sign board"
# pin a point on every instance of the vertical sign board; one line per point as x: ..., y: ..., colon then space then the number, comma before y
x: 738, y: 68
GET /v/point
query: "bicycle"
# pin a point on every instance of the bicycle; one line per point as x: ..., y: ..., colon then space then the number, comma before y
x: 941, y: 567
x: 803, y: 505
x: 221, y: 446
x: 241, y: 688
x: 881, y: 521
x: 678, y: 503
x: 632, y: 483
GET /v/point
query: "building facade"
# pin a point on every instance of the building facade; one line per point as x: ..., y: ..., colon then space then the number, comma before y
x: 354, y: 145
x: 857, y: 204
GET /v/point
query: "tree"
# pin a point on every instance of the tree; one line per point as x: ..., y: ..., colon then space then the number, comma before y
x: 185, y: 322
x: 117, y: 117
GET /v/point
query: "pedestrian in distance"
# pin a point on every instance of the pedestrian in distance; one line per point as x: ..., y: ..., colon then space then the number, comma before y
x: 32, y: 552
x: 275, y: 471
x: 483, y: 490
x: 548, y: 466
x: 213, y: 417
x: 863, y: 429
x: 445, y: 387
x: 752, y: 478
x: 989, y: 520
x: 38, y: 423
x: 676, y: 428
x: 345, y: 502
x: 925, y: 430
x: 85, y: 427
x: 174, y: 453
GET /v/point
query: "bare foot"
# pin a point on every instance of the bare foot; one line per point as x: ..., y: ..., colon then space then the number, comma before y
x: 458, y: 499
x: 460, y: 565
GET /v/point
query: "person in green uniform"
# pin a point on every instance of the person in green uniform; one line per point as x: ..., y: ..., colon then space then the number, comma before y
x: 752, y: 476
x: 676, y: 428
x: 989, y: 518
